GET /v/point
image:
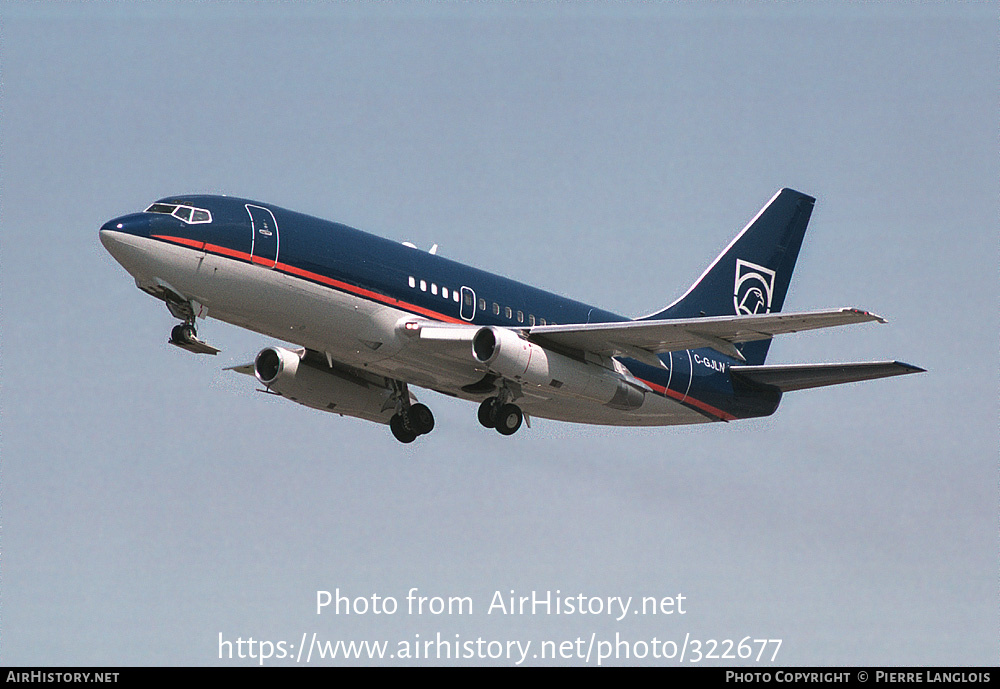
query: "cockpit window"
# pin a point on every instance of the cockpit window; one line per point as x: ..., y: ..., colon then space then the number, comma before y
x: 188, y: 214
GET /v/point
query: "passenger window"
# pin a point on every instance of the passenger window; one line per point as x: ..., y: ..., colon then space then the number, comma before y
x: 541, y: 321
x: 434, y: 288
x: 506, y: 312
x: 423, y: 285
x: 413, y: 282
x: 444, y: 292
x: 531, y: 319
x: 520, y: 317
x: 454, y: 296
x: 496, y: 309
x: 482, y: 304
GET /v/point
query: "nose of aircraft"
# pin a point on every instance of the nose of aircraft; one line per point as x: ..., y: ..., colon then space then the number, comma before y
x: 108, y: 232
x: 118, y: 235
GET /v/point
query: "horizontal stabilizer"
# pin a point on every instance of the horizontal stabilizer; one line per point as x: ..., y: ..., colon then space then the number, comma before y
x: 803, y: 376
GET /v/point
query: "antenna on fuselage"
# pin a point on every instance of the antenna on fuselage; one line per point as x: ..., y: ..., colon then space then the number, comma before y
x: 433, y: 250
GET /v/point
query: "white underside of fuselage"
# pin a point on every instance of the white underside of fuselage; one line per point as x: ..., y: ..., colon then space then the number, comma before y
x: 352, y: 330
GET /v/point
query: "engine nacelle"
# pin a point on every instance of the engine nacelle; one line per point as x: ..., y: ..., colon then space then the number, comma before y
x: 526, y: 363
x: 282, y: 371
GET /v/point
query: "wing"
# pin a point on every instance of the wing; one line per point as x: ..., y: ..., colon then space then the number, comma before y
x: 643, y: 340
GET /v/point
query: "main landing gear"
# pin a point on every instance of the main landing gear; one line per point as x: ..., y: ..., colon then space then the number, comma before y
x: 505, y: 417
x: 410, y: 420
x: 407, y: 424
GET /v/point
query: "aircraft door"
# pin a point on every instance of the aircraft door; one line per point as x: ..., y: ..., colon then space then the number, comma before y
x: 681, y: 373
x: 468, y: 311
x: 264, y: 243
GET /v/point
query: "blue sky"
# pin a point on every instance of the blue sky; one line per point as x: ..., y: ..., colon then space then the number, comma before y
x: 151, y: 501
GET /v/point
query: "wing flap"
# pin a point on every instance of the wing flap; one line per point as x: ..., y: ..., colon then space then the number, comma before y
x: 803, y: 376
x: 717, y: 332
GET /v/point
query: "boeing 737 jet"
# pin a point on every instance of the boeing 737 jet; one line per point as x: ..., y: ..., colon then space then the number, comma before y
x: 370, y: 318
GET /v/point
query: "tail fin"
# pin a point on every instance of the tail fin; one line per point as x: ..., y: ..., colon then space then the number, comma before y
x: 751, y: 275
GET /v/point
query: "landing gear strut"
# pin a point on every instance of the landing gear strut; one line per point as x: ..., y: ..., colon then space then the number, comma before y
x: 410, y: 420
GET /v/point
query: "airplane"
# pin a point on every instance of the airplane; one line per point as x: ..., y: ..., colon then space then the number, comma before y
x: 370, y: 317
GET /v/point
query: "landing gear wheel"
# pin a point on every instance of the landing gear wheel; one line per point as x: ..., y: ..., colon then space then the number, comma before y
x: 509, y: 419
x: 488, y: 412
x: 421, y: 419
x: 182, y: 333
x: 185, y: 336
x: 400, y: 431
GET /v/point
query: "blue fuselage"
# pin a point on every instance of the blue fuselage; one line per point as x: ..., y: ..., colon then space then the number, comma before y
x: 383, y: 273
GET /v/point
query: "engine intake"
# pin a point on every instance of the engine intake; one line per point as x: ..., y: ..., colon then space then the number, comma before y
x: 271, y: 362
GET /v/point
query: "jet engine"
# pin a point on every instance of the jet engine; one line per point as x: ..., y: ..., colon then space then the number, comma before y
x: 518, y: 360
x: 289, y: 374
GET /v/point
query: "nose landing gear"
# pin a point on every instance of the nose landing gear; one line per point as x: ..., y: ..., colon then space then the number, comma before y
x: 185, y: 336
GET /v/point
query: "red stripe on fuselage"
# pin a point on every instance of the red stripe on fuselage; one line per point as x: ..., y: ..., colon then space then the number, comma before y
x: 687, y: 399
x: 309, y: 275
x: 193, y: 243
x: 375, y: 296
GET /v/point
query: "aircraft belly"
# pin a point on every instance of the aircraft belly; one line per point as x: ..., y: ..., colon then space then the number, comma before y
x: 446, y: 369
x: 251, y: 296
x: 655, y: 411
x: 362, y: 333
x: 359, y: 332
x: 352, y: 330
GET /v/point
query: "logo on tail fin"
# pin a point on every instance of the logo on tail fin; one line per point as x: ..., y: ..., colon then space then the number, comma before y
x: 754, y: 288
